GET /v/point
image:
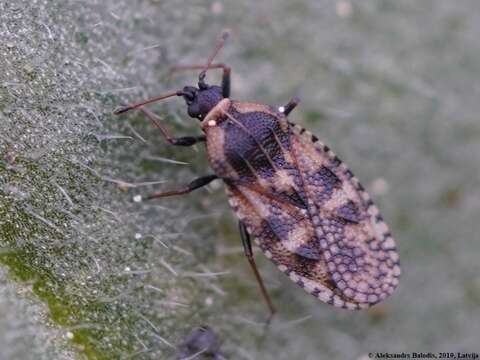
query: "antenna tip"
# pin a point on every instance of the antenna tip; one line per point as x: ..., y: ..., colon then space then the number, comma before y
x: 121, y: 110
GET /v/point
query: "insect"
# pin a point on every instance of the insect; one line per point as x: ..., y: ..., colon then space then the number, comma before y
x: 305, y: 209
x: 201, y: 341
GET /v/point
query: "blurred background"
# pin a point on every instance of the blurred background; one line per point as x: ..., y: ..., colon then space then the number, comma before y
x: 85, y: 273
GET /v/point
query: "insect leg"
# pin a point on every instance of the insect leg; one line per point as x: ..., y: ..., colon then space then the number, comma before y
x: 195, y: 184
x: 225, y: 76
x: 179, y: 141
x: 292, y: 104
x: 247, y: 246
x: 226, y: 82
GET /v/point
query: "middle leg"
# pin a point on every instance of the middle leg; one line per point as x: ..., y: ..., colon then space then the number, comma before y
x: 195, y: 184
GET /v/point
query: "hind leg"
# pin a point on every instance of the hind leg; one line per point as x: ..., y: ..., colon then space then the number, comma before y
x: 292, y: 104
x: 247, y: 246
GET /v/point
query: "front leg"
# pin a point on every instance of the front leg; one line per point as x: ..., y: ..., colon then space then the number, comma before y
x: 179, y: 141
x: 195, y: 184
x: 225, y: 76
x: 292, y: 104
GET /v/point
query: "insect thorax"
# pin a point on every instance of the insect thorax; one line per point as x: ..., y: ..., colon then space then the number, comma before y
x: 246, y: 141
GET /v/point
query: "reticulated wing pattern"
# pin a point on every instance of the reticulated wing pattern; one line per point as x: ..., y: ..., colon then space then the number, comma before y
x: 286, y: 236
x: 355, y: 242
x: 306, y: 211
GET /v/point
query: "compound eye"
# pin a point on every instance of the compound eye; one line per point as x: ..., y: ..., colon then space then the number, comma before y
x: 193, y: 111
x: 189, y: 97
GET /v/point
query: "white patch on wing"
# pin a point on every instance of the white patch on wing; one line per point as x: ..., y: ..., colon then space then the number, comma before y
x: 283, y: 181
x: 296, y: 237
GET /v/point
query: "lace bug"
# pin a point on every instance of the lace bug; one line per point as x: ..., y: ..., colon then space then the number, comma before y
x: 305, y: 209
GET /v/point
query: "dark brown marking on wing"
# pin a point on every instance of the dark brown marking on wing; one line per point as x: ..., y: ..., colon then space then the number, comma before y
x: 294, y: 197
x: 249, y: 134
x: 350, y: 233
x: 243, y: 169
x: 285, y: 198
x: 286, y: 236
x: 309, y: 250
x: 269, y: 241
x: 350, y: 212
x: 262, y: 125
x: 254, y: 151
x: 282, y: 227
x: 278, y: 226
x: 325, y: 181
x: 316, y: 222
